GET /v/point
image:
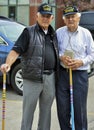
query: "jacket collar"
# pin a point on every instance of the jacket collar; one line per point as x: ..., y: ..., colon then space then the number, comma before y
x: 50, y: 29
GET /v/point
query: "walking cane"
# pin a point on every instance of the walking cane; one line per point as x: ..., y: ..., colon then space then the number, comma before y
x: 3, y: 101
x: 71, y: 98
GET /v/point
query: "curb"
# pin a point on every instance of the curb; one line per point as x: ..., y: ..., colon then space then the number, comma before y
x: 91, y: 125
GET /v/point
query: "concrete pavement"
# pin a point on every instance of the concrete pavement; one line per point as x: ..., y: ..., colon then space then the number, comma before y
x: 14, y: 112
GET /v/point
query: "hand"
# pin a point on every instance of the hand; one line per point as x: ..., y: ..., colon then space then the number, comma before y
x: 75, y: 63
x: 5, y: 68
x: 65, y: 60
x: 71, y: 63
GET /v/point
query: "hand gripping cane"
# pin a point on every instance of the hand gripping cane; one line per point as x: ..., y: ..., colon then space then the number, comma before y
x: 3, y: 101
x: 71, y: 98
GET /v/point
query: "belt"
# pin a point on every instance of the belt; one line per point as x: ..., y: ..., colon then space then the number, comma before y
x: 48, y: 72
x: 67, y: 70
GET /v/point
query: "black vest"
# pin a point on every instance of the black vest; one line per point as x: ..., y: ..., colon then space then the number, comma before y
x: 33, y: 59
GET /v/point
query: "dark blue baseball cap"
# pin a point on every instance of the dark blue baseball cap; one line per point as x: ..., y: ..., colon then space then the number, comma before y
x: 45, y: 9
x: 70, y: 10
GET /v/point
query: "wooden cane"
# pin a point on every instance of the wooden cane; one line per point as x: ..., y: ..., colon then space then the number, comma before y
x: 3, y: 101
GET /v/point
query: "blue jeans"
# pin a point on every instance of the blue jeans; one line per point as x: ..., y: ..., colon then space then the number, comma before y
x: 80, y: 91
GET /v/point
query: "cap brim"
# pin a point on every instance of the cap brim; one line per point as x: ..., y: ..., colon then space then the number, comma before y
x: 69, y: 13
x: 43, y: 12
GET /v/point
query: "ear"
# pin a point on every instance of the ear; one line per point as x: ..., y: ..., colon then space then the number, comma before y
x: 64, y: 20
x: 79, y: 19
x: 52, y: 17
x: 37, y: 16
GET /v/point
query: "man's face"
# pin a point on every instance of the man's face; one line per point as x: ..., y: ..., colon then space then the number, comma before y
x: 72, y: 21
x: 44, y: 20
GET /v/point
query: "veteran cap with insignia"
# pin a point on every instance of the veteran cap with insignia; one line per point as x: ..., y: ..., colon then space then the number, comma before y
x: 70, y: 10
x: 45, y: 9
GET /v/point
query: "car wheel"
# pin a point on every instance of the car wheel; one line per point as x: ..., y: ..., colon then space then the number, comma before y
x: 17, y: 80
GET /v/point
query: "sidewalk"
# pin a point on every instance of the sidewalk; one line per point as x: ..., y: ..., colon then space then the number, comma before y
x: 90, y: 105
x: 13, y: 111
x: 14, y: 114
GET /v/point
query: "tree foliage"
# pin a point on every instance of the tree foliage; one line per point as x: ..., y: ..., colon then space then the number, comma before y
x: 83, y: 5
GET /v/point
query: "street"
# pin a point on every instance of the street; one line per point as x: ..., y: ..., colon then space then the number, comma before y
x: 13, y: 110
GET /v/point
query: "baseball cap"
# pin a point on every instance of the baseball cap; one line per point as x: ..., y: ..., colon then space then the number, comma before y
x: 70, y: 10
x: 45, y: 9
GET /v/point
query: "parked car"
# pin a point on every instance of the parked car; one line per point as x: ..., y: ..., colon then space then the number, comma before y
x: 87, y: 21
x: 9, y: 32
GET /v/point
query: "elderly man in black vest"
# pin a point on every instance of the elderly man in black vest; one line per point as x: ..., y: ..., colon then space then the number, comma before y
x: 37, y: 46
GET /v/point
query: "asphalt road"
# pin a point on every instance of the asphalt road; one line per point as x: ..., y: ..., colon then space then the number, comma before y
x: 13, y: 110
